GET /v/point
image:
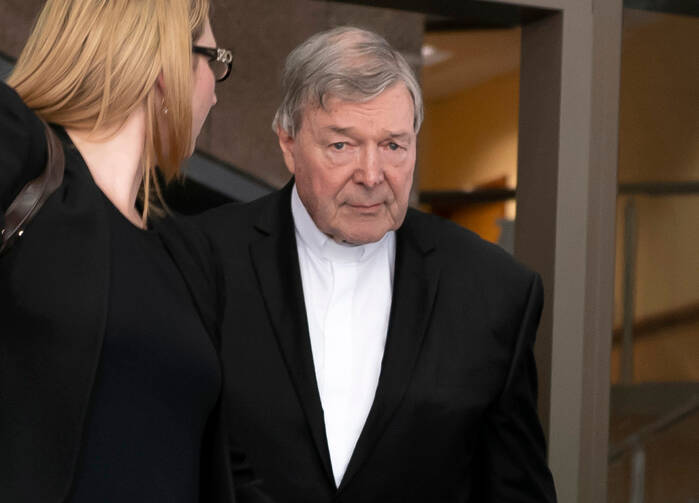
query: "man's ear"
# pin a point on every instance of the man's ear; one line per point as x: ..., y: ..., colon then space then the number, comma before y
x: 287, y: 144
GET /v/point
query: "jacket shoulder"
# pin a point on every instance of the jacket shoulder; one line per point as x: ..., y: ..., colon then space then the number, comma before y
x: 234, y: 214
x: 234, y: 224
x: 463, y: 252
x: 22, y: 144
x: 482, y: 274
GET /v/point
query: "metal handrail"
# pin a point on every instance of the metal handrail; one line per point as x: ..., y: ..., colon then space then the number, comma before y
x: 635, y: 444
x: 659, y: 188
x: 640, y: 437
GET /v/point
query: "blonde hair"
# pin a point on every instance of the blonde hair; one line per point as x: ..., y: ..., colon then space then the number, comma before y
x: 88, y: 64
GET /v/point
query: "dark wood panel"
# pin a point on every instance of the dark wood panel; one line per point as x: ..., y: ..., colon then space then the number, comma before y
x: 451, y: 15
x: 686, y: 7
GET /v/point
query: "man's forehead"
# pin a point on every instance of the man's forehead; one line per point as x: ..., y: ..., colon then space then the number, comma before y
x: 397, y: 93
x: 389, y: 112
x: 355, y: 131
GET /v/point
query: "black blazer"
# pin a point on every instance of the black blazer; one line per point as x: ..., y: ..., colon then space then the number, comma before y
x: 54, y: 287
x: 454, y: 417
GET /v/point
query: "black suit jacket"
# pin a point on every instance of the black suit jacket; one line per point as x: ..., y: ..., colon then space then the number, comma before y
x: 54, y: 289
x: 454, y: 417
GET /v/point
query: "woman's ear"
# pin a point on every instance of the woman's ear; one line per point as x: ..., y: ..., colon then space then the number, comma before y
x: 160, y: 84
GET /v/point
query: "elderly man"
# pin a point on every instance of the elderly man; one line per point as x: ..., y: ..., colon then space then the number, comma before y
x: 372, y: 353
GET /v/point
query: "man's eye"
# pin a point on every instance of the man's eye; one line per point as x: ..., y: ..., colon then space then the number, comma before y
x: 393, y: 146
x: 339, y: 145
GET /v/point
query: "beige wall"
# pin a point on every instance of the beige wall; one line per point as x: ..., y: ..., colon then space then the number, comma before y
x: 659, y: 142
x: 470, y: 138
x: 667, y: 268
x: 659, y: 121
x: 670, y: 356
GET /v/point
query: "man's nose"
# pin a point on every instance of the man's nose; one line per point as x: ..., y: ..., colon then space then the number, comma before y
x: 370, y: 170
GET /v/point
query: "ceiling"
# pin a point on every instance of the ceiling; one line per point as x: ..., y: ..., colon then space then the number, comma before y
x: 467, y: 58
x: 472, y: 58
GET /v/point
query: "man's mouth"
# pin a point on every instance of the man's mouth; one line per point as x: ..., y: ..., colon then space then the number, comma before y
x: 365, y: 207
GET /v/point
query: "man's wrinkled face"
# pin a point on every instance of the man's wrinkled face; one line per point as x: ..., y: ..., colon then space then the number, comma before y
x: 353, y: 164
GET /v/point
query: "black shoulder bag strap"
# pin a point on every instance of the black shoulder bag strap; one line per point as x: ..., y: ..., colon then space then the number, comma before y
x: 35, y: 193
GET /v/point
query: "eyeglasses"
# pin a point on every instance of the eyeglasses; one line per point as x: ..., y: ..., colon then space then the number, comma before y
x: 220, y: 60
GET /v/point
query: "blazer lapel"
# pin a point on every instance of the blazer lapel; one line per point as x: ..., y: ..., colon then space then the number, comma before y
x: 414, y: 287
x: 275, y: 261
x: 187, y: 250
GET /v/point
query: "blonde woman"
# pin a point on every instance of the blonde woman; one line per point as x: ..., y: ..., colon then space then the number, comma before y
x: 109, y: 374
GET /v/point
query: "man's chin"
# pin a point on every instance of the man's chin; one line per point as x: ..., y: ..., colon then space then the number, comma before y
x: 362, y: 237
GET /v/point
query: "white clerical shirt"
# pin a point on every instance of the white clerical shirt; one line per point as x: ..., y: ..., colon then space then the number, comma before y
x: 347, y: 290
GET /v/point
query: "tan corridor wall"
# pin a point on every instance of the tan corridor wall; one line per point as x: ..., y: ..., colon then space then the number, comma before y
x: 659, y: 142
x: 470, y: 138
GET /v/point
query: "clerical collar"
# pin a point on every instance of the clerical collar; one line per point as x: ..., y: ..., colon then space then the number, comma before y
x: 323, y: 245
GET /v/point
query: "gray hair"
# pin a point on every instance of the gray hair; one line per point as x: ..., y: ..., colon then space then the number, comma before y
x: 347, y: 63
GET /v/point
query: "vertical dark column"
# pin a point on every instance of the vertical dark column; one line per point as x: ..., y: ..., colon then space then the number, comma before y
x: 599, y: 291
x: 537, y: 176
x: 565, y: 225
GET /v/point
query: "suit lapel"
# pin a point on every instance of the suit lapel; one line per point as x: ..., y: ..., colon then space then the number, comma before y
x: 414, y: 287
x: 275, y: 260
